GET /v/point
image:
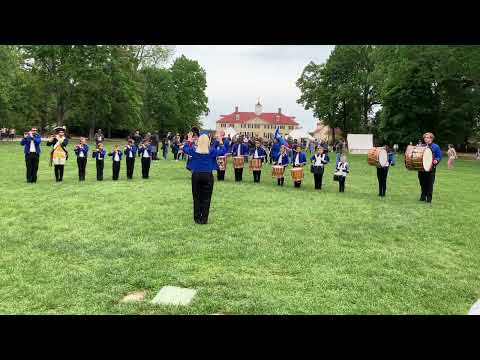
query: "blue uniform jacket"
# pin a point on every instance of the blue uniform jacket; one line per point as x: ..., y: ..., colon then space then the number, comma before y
x: 133, y: 149
x: 227, y: 144
x: 84, y: 149
x: 97, y: 153
x: 149, y: 148
x: 243, y: 149
x: 204, y: 162
x: 285, y: 160
x: 391, y: 158
x: 437, y: 152
x: 260, y: 151
x: 302, y: 158
x: 37, y: 139
x: 112, y: 154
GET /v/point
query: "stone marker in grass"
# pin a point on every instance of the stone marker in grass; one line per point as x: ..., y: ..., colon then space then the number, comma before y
x: 475, y: 309
x: 172, y: 295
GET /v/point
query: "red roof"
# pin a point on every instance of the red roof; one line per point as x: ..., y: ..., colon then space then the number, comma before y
x: 268, y: 117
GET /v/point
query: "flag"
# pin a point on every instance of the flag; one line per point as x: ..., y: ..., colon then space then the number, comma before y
x: 280, y: 138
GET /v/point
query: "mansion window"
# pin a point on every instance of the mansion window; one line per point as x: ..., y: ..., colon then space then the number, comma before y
x: 243, y: 126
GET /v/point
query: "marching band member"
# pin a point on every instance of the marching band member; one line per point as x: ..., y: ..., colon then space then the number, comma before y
x: 258, y: 153
x: 299, y: 160
x: 99, y: 155
x: 343, y: 169
x: 31, y: 148
x: 427, y: 178
x: 320, y: 159
x: 130, y: 152
x: 59, y: 153
x: 81, y: 150
x: 282, y: 159
x: 116, y: 155
x: 239, y: 149
x: 146, y: 152
x: 382, y: 172
x: 203, y: 162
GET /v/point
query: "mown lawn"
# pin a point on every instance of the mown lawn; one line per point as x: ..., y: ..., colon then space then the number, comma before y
x: 78, y: 248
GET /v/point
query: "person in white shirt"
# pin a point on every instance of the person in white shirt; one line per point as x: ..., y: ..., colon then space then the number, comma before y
x: 342, y: 170
x: 145, y: 150
x: 116, y: 155
x: 319, y: 160
x: 81, y: 150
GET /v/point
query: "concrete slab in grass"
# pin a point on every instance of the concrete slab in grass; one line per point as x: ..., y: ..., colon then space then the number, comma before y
x: 475, y: 309
x: 172, y: 295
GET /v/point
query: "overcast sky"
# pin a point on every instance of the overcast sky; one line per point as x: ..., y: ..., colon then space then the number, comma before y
x: 238, y: 74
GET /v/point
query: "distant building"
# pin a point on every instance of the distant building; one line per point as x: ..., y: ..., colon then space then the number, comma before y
x: 258, y: 123
x: 324, y: 132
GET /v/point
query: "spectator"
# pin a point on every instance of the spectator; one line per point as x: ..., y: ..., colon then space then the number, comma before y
x: 154, y: 142
x: 338, y: 147
x: 165, y: 148
x: 137, y: 138
x: 12, y: 134
x: 99, y: 138
x: 452, y: 155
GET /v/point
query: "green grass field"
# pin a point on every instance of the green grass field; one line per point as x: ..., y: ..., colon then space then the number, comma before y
x: 78, y: 248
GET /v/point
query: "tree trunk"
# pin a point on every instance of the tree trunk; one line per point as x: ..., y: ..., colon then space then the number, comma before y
x: 92, y: 129
x: 344, y: 118
x: 333, y: 135
x: 109, y: 131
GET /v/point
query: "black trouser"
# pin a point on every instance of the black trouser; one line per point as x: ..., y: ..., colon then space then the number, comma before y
x: 202, y: 188
x: 382, y: 174
x: 31, y: 161
x: 318, y: 176
x: 175, y: 154
x: 426, y: 179
x: 220, y: 175
x: 130, y: 166
x: 82, y: 164
x: 145, y: 167
x: 238, y: 174
x: 100, y: 164
x: 256, y: 175
x: 115, y: 169
x: 341, y: 183
x: 58, y: 170
x: 280, y: 181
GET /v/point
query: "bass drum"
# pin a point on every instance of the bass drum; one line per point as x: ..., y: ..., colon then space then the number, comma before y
x: 419, y: 158
x: 378, y: 157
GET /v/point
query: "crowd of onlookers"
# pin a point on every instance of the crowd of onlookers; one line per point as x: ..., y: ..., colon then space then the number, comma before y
x: 6, y: 133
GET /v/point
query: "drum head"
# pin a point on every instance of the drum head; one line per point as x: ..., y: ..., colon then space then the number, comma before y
x: 427, y: 159
x: 383, y: 157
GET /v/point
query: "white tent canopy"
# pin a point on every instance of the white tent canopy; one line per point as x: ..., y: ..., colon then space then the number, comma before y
x: 299, y: 134
x: 359, y: 143
x: 230, y: 131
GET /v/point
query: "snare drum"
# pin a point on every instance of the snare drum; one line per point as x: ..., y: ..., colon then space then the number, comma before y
x: 419, y: 158
x: 297, y: 174
x: 278, y: 171
x: 378, y: 157
x: 222, y: 162
x: 238, y: 162
x: 255, y: 164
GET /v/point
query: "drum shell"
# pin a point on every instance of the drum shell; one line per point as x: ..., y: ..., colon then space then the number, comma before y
x: 414, y: 158
x: 297, y: 174
x: 222, y: 163
x: 374, y: 156
x: 255, y: 164
x: 238, y: 162
x: 278, y: 171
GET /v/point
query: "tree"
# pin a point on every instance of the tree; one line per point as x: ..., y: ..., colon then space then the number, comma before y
x: 151, y: 55
x: 160, y: 107
x: 190, y: 82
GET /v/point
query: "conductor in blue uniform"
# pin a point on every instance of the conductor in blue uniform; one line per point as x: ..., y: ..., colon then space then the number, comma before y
x: 203, y: 162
